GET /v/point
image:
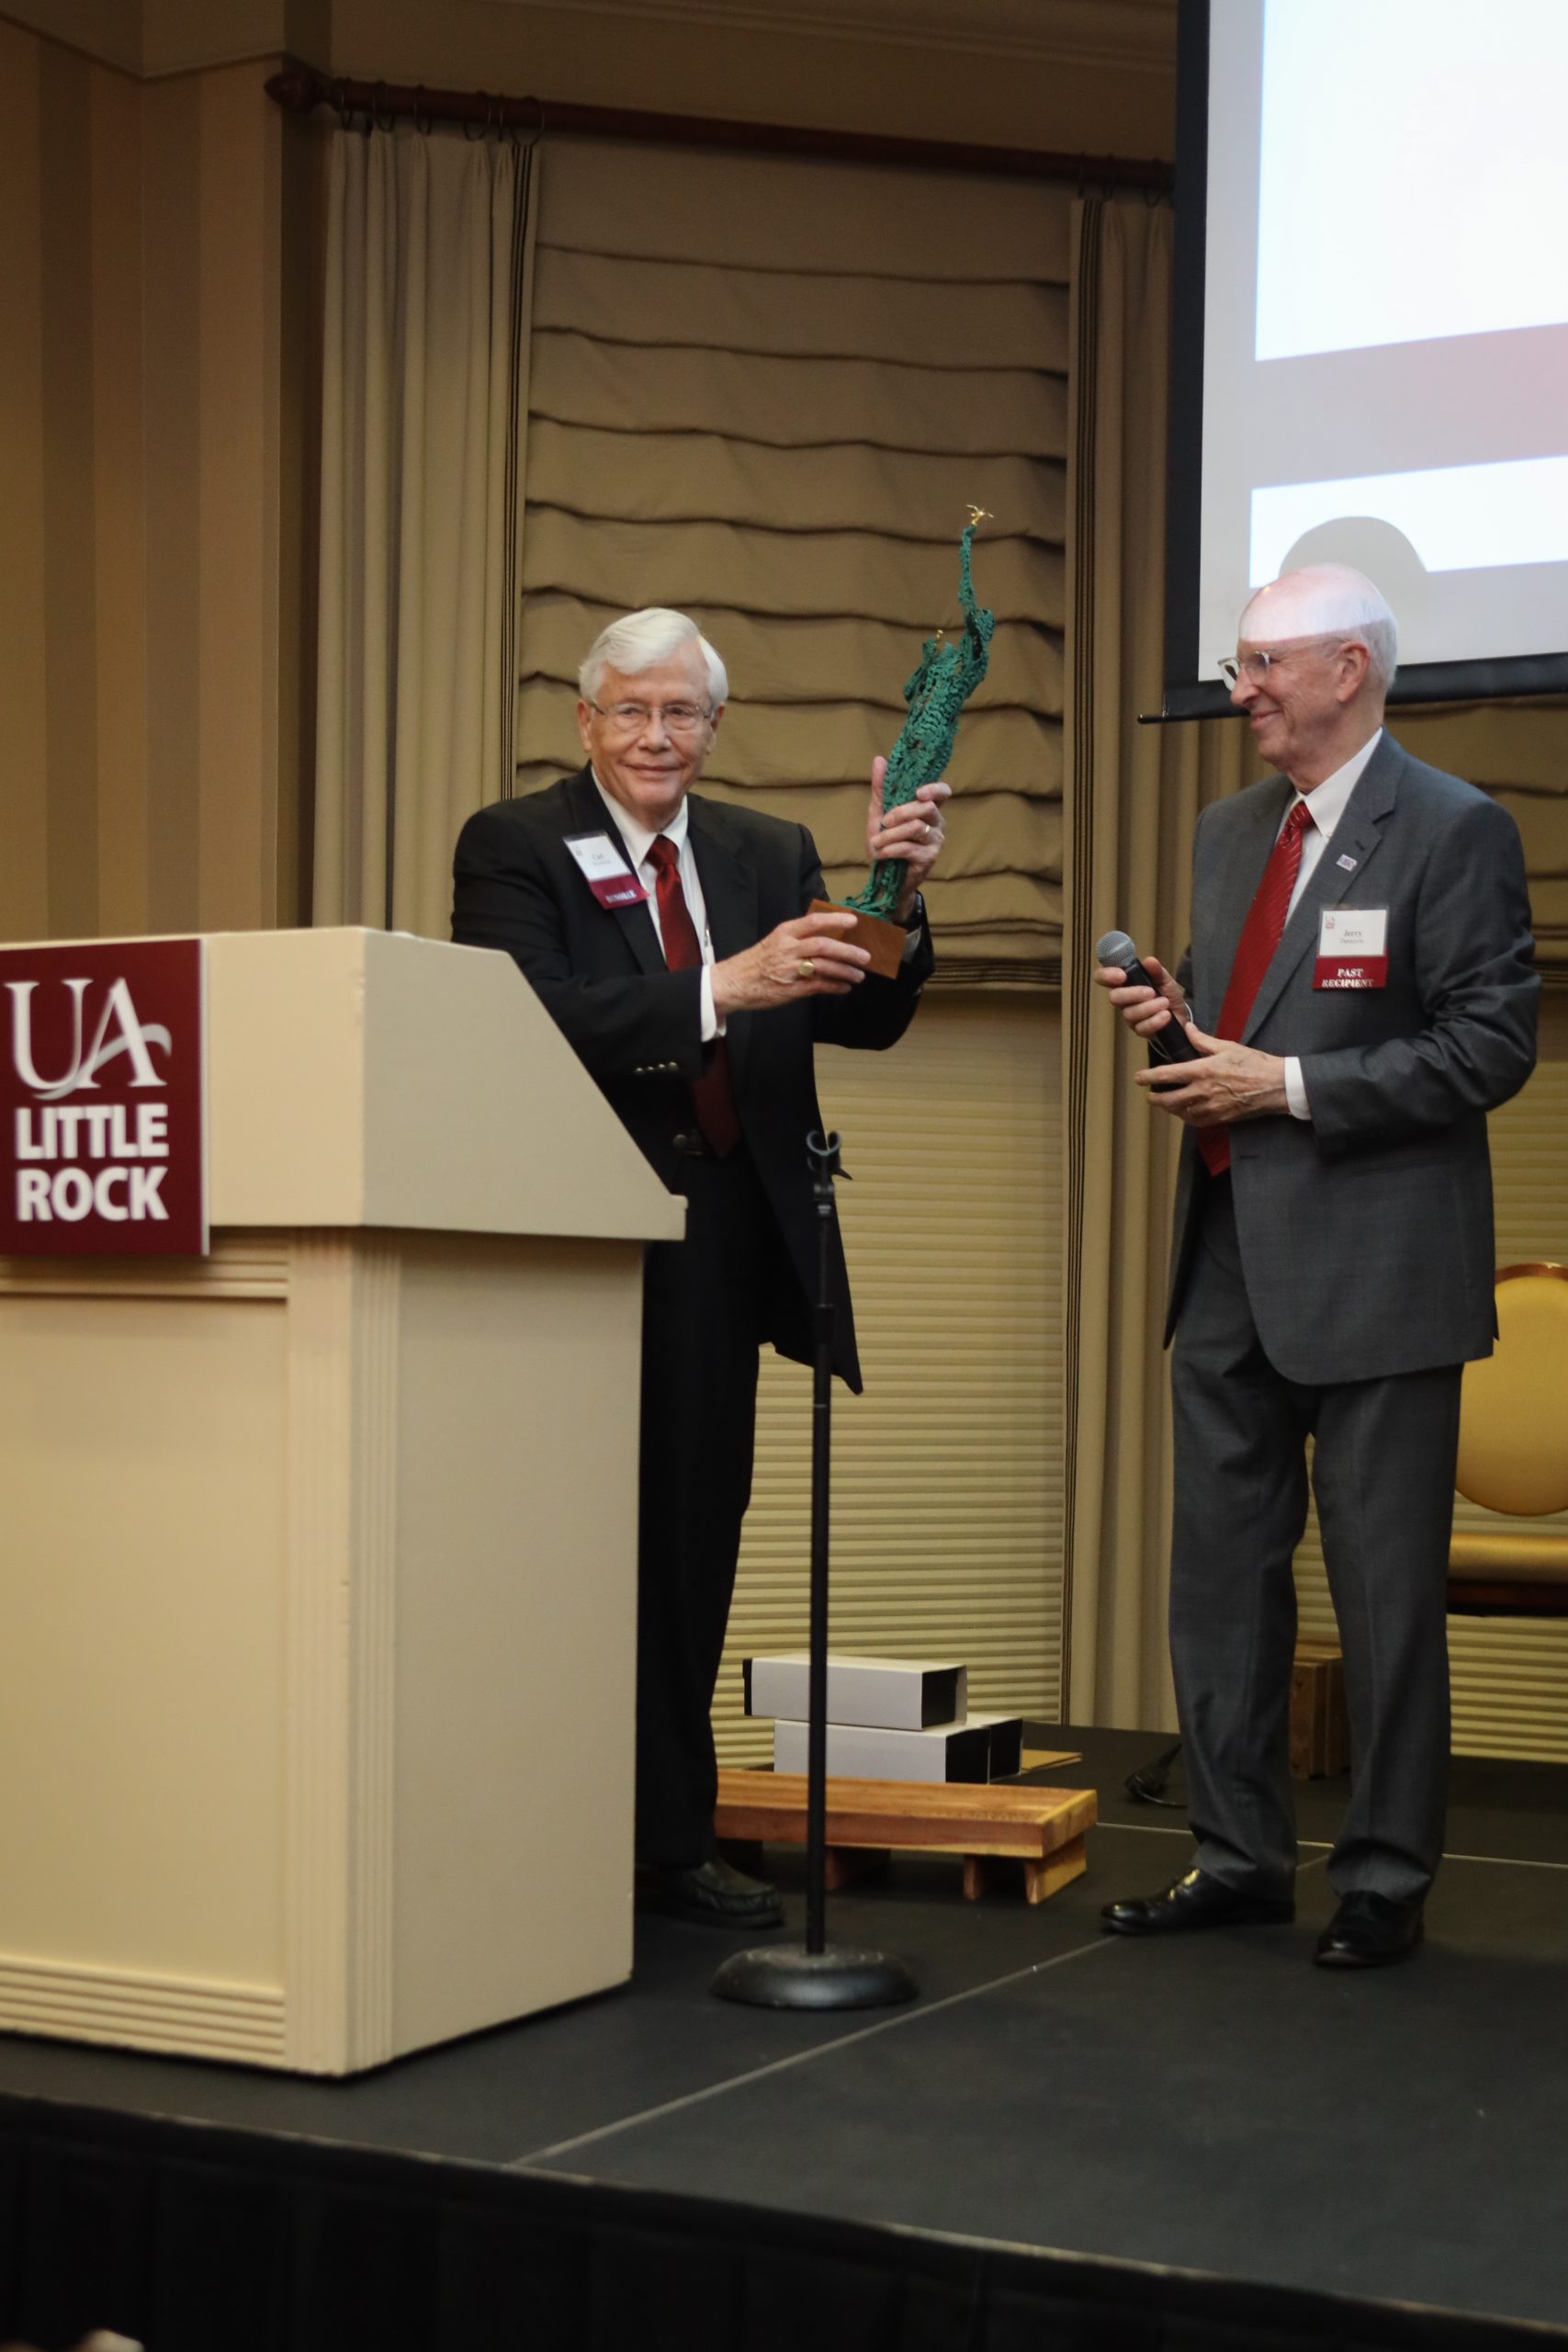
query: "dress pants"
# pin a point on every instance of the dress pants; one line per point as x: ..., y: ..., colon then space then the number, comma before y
x: 1383, y: 1474
x: 706, y: 1307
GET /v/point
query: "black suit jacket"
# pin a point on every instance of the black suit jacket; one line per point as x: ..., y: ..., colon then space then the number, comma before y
x: 1365, y: 1232
x: 637, y: 1026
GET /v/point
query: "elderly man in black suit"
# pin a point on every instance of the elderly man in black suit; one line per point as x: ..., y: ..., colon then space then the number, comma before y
x: 1359, y: 985
x: 669, y: 937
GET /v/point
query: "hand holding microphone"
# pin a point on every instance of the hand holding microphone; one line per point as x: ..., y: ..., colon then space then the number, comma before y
x: 1147, y: 997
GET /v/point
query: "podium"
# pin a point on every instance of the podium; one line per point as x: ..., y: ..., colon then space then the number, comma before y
x: 317, y: 1617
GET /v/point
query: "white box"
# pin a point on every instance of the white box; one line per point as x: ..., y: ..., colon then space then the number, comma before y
x: 886, y: 1693
x: 985, y: 1747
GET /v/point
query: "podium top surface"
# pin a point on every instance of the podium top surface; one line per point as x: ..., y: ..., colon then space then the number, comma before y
x: 365, y: 1078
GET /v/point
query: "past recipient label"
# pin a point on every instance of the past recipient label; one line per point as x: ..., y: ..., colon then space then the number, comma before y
x: 1352, y: 948
x: 605, y: 871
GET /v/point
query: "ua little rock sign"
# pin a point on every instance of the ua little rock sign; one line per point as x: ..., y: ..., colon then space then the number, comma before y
x: 103, y: 1099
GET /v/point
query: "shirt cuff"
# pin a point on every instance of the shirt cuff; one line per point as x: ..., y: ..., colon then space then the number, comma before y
x: 1295, y: 1089
x: 711, y: 1025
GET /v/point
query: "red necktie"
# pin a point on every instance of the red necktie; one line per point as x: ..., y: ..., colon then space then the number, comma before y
x: 713, y: 1095
x: 1260, y: 936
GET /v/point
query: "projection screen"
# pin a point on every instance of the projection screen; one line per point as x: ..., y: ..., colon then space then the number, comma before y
x: 1370, y: 359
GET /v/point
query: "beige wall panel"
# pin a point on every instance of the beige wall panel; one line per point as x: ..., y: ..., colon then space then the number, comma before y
x: 765, y: 70
x: 512, y: 1868
x: 106, y: 28
x: 140, y: 1451
x: 947, y: 1514
x: 120, y: 507
x: 1518, y: 750
x: 1510, y: 1675
x: 24, y: 866
x: 297, y: 166
x: 70, y: 537
x: 159, y: 37
x: 180, y: 34
x: 143, y: 504
x: 237, y: 522
x: 172, y: 213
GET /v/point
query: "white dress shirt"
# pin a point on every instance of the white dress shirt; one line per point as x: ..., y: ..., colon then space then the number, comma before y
x: 1325, y: 804
x: 639, y: 840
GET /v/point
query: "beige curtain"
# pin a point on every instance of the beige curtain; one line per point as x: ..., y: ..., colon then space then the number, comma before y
x: 1133, y: 797
x: 767, y: 391
x: 1519, y: 752
x: 426, y: 297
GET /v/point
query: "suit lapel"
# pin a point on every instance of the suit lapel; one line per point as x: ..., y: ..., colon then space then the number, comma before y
x: 588, y: 815
x: 730, y: 892
x: 1357, y: 836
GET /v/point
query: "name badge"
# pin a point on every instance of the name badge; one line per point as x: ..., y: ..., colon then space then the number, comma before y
x: 1352, y: 948
x: 605, y: 871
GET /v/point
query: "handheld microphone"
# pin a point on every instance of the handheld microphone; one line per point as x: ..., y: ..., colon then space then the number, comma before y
x: 1171, y: 1044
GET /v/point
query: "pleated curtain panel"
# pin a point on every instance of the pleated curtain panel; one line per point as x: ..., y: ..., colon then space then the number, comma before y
x: 1133, y: 796
x: 424, y: 377
x: 767, y: 392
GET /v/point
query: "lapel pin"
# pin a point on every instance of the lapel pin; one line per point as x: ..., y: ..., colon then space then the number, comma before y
x: 1347, y: 863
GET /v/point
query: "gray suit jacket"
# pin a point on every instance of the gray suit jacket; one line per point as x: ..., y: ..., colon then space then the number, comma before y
x: 1366, y: 1233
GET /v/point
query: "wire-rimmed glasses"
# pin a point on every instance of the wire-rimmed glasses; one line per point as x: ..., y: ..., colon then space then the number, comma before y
x: 631, y: 718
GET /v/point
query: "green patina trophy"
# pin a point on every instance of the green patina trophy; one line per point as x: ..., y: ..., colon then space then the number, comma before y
x: 947, y: 674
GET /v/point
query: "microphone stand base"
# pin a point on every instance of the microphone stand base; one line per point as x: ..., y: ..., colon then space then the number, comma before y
x: 787, y: 1976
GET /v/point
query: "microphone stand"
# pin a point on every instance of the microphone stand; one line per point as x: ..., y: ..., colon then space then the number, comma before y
x: 815, y: 1975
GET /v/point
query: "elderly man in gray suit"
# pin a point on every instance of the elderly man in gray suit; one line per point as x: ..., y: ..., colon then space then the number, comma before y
x: 1360, y: 987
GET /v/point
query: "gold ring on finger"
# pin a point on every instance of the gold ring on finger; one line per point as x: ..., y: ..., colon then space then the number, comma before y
x: 805, y: 968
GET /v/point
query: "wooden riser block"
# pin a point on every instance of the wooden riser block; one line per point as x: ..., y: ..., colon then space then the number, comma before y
x: 851, y: 1865
x: 982, y: 1872
x: 1042, y: 1828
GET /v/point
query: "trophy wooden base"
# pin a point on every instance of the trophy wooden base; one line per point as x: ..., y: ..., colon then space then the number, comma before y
x: 883, y: 942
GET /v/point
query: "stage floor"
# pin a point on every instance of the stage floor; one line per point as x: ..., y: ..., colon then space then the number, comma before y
x: 1213, y: 2103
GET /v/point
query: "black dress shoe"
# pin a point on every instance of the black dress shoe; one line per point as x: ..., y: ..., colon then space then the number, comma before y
x: 1195, y: 1901
x: 1370, y: 1931
x: 714, y: 1893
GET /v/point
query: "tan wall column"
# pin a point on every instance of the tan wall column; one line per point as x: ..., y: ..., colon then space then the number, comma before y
x: 155, y: 273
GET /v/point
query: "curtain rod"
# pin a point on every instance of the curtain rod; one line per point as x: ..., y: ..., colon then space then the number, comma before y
x: 298, y: 89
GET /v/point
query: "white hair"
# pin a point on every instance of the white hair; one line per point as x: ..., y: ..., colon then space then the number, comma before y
x: 1331, y: 597
x: 639, y: 642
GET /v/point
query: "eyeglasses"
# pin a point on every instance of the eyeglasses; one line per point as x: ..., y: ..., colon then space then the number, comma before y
x: 1255, y: 667
x: 631, y: 718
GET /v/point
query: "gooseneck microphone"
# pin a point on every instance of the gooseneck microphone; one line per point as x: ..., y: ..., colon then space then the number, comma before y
x: 1171, y: 1044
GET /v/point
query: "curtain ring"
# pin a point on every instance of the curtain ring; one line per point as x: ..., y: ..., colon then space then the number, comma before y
x: 377, y: 99
x: 424, y: 121
x: 527, y: 134
x: 469, y: 131
x: 337, y: 97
